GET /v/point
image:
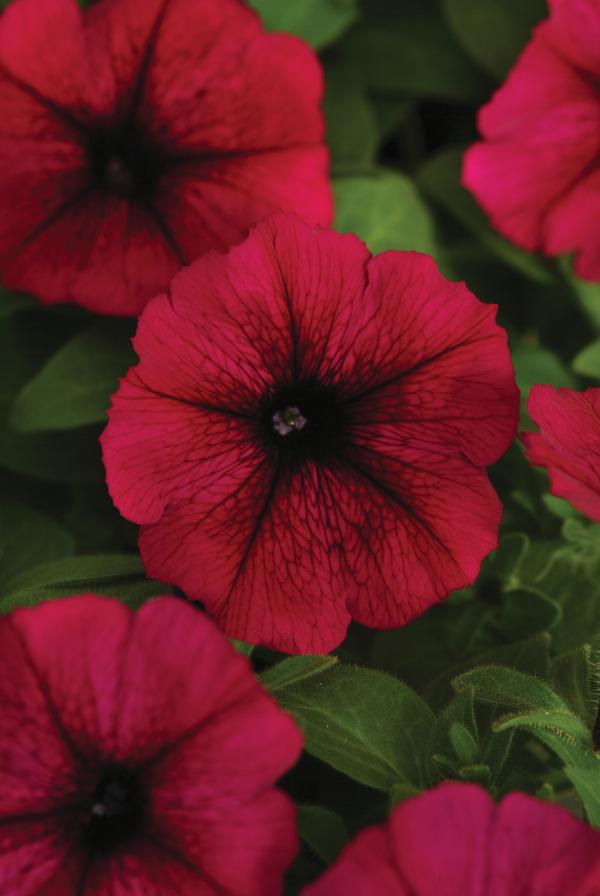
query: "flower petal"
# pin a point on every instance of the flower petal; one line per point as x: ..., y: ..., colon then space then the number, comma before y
x: 364, y: 867
x: 37, y: 765
x: 439, y: 371
x: 576, y: 30
x: 56, y: 72
x: 272, y: 550
x: 100, y: 250
x: 542, y: 850
x: 568, y: 443
x: 31, y: 853
x: 418, y: 523
x: 541, y: 135
x: 81, y: 685
x: 245, y: 852
x: 571, y: 225
x: 213, y: 685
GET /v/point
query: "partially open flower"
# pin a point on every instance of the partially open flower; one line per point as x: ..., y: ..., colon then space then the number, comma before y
x: 138, y: 755
x: 453, y: 841
x: 568, y: 443
x: 138, y: 134
x: 537, y: 170
x: 305, y: 437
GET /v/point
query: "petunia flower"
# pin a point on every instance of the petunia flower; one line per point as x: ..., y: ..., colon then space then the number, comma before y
x: 568, y: 443
x: 537, y: 170
x: 305, y: 437
x: 138, y: 134
x: 453, y: 841
x: 138, y: 755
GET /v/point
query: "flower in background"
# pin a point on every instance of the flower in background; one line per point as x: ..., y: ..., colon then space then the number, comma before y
x: 568, y: 443
x: 304, y: 440
x: 537, y: 170
x: 138, y: 754
x: 139, y: 134
x: 454, y: 841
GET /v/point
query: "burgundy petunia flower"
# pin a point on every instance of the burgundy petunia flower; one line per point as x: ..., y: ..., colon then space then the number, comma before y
x: 568, y: 444
x: 537, y: 171
x: 453, y: 841
x: 305, y: 437
x: 138, y: 134
x: 138, y: 755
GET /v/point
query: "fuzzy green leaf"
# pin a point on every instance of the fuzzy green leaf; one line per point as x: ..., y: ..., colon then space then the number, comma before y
x: 295, y: 669
x: 365, y: 724
x: 508, y: 687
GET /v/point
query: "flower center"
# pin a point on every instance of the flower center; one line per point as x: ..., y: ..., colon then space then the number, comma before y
x: 115, y: 810
x: 304, y: 420
x: 289, y: 420
x: 125, y: 162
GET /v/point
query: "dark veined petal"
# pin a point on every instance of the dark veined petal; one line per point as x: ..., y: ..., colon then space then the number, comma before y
x: 388, y: 510
x: 568, y: 443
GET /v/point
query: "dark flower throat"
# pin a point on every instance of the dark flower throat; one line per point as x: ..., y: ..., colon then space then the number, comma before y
x: 304, y: 421
x: 124, y: 161
x: 115, y: 811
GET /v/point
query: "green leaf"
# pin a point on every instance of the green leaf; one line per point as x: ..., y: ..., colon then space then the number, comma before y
x: 587, y: 294
x: 464, y: 744
x: 242, y: 647
x: 493, y: 32
x: 497, y: 751
x: 459, y: 716
x: 27, y: 340
x: 365, y: 724
x: 585, y: 776
x: 478, y: 774
x: 534, y: 364
x: 390, y: 112
x: 530, y: 656
x: 506, y: 561
x: 13, y: 301
x: 323, y: 831
x: 351, y: 126
x: 52, y: 456
x: 571, y: 679
x: 508, y: 687
x: 587, y: 362
x: 570, y: 575
x: 440, y: 178
x: 118, y: 575
x: 559, y: 507
x: 320, y: 22
x: 569, y: 738
x: 407, y: 48
x: 295, y: 669
x: 74, y: 387
x: 401, y: 792
x: 28, y: 537
x: 527, y: 611
x: 564, y: 725
x: 385, y: 211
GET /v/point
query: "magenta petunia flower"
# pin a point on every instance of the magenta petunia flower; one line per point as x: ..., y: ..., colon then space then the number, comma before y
x: 568, y: 443
x: 138, y: 134
x: 305, y: 437
x: 537, y: 171
x: 138, y: 755
x: 453, y: 841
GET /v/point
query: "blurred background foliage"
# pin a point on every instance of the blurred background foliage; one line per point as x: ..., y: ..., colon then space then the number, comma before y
x: 500, y: 683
